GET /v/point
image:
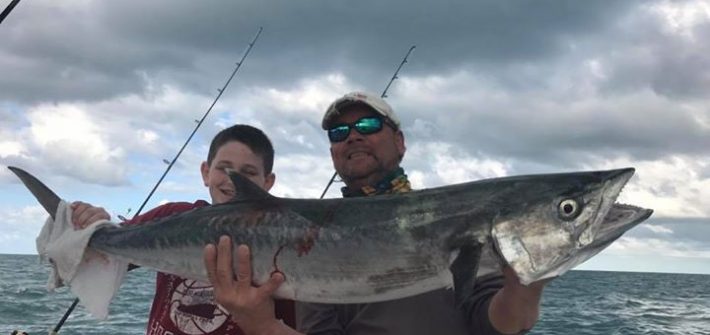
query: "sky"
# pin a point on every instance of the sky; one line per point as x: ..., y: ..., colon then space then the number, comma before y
x: 94, y: 95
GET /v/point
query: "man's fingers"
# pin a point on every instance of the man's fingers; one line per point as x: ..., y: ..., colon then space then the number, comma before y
x: 243, y: 266
x: 224, y: 260
x: 239, y: 294
x: 209, y: 256
x: 272, y: 284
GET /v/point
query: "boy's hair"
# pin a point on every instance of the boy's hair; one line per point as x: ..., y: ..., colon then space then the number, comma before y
x: 250, y: 136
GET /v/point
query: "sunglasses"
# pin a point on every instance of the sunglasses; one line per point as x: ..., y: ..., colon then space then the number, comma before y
x: 365, y: 126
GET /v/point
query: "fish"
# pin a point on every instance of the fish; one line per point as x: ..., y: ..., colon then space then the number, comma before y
x: 370, y: 249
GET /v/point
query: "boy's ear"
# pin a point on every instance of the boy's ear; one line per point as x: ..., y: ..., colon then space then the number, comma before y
x: 205, y: 171
x: 269, y: 181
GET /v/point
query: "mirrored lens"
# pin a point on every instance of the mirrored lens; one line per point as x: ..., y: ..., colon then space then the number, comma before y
x: 338, y: 133
x: 368, y: 125
x: 365, y: 126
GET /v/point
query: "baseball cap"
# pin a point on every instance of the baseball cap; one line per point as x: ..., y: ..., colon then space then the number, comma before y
x: 378, y: 104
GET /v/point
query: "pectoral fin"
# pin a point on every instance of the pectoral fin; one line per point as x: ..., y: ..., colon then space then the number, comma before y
x: 464, y: 269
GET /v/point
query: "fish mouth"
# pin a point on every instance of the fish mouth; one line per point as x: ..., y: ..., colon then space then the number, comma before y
x: 613, y: 184
x: 619, y: 219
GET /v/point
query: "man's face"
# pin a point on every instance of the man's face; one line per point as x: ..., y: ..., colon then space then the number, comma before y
x: 365, y: 159
x: 236, y: 156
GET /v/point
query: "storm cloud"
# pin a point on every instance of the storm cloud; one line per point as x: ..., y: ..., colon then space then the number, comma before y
x: 94, y: 95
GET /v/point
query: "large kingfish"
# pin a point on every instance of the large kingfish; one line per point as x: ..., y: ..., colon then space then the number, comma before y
x: 356, y: 250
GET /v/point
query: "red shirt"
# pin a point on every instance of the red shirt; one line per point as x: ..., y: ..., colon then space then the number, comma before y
x: 186, y: 306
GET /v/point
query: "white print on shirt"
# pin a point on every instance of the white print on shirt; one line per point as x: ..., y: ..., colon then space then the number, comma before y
x: 193, y: 310
x: 157, y: 329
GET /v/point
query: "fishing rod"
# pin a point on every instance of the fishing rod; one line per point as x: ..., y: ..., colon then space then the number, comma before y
x: 59, y: 325
x: 8, y: 9
x: 383, y: 95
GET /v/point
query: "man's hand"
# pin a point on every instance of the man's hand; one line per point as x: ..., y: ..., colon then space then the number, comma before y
x: 251, y: 307
x: 84, y: 214
x: 516, y: 307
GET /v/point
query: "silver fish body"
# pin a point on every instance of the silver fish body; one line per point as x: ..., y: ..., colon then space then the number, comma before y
x: 356, y: 250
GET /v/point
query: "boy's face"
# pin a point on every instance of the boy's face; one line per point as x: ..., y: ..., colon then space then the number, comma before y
x: 236, y: 156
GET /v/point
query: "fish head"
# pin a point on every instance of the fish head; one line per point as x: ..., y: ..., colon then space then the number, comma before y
x: 556, y: 223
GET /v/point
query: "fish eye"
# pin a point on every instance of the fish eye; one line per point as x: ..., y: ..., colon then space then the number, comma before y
x: 568, y: 209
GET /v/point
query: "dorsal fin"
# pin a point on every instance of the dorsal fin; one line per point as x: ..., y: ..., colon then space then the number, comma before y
x: 245, y: 189
x: 46, y: 197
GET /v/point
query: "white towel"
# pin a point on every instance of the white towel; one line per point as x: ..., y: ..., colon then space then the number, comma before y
x: 94, y: 278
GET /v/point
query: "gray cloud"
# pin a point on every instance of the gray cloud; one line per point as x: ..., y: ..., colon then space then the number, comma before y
x: 493, y: 88
x: 669, y: 61
x: 536, y: 85
x: 106, y: 48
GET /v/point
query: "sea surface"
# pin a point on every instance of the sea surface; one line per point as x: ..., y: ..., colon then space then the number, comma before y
x: 580, y: 302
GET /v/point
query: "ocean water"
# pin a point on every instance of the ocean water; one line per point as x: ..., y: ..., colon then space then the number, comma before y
x: 580, y: 302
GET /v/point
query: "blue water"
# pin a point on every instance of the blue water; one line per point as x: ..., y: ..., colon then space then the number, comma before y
x: 581, y: 302
x: 26, y: 304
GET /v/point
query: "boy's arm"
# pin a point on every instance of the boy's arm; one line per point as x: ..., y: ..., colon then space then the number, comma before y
x: 251, y: 307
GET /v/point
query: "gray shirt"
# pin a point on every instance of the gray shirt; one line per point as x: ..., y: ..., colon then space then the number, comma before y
x: 433, y: 312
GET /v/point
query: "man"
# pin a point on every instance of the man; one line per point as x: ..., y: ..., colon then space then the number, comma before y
x: 180, y: 305
x: 367, y: 146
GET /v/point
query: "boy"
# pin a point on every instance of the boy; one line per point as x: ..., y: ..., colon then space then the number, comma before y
x: 184, y: 306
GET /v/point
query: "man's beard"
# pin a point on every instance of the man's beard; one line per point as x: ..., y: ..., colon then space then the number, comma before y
x: 369, y: 170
